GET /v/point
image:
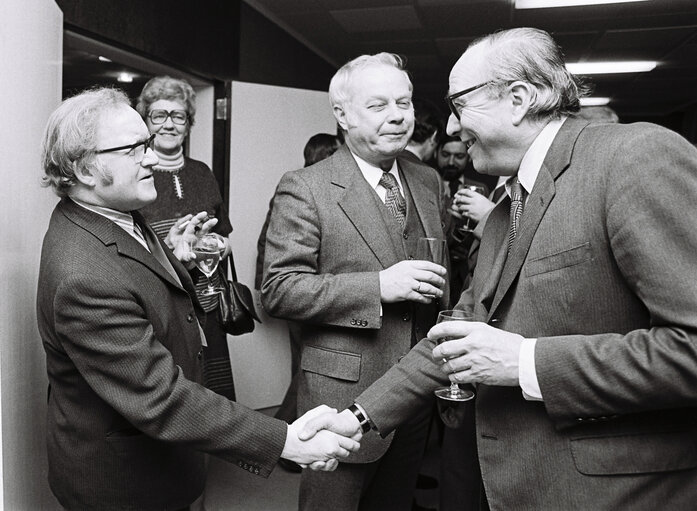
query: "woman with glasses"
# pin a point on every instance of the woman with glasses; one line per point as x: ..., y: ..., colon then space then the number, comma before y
x: 186, y: 187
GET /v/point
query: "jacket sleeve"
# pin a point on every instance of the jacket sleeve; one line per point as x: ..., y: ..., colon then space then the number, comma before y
x: 295, y: 286
x: 105, y: 332
x: 651, y: 232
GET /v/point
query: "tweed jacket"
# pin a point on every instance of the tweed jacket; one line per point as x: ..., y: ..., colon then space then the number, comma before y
x: 325, y: 245
x: 601, y: 274
x: 128, y: 421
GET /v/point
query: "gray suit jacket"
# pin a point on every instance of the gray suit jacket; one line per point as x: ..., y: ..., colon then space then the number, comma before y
x: 128, y: 421
x: 602, y: 274
x: 325, y: 245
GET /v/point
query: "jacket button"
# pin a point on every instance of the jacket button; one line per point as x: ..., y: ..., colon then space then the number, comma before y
x: 365, y: 322
x: 411, y: 258
x: 190, y: 318
x: 353, y: 321
x: 406, y: 317
x: 405, y: 236
x: 199, y: 355
x: 256, y: 471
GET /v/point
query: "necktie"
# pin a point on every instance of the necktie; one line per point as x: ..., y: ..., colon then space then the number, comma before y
x: 155, y: 249
x: 393, y: 198
x: 517, y: 198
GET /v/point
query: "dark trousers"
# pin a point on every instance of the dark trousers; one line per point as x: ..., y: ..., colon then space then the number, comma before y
x: 384, y: 485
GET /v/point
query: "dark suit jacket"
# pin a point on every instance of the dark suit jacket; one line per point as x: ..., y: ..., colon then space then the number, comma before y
x: 128, y: 422
x: 602, y: 275
x: 325, y: 245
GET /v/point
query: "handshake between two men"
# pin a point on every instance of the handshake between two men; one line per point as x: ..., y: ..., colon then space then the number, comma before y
x: 475, y: 353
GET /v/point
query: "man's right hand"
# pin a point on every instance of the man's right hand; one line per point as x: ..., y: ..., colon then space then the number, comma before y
x: 310, y: 443
x: 416, y: 281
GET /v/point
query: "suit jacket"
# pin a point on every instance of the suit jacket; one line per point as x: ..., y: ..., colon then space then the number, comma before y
x: 128, y: 421
x: 601, y: 274
x: 325, y: 245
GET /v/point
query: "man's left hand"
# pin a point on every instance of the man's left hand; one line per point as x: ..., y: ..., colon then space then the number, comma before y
x: 477, y: 353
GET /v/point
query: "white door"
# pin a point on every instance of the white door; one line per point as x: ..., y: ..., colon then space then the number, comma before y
x: 31, y: 35
x: 269, y: 128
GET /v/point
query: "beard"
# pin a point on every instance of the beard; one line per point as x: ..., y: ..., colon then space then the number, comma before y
x: 450, y: 172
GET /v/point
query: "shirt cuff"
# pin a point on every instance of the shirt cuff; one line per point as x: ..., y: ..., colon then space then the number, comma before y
x: 527, y: 376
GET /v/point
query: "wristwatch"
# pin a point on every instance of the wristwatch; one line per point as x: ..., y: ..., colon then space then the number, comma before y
x: 362, y: 419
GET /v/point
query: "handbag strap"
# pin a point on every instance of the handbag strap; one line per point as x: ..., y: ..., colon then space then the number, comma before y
x: 232, y: 267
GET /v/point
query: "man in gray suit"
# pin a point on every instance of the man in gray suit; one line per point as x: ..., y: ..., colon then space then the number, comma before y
x: 340, y: 261
x: 128, y: 419
x: 584, y: 352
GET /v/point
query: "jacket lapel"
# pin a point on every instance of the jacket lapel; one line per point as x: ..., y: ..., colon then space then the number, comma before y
x: 424, y: 201
x: 356, y: 201
x: 111, y: 234
x: 556, y: 161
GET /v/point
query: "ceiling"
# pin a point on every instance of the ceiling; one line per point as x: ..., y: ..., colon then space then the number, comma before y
x: 432, y: 34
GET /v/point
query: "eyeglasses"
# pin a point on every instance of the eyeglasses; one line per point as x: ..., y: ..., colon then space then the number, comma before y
x: 449, y: 99
x: 139, y: 148
x: 160, y: 116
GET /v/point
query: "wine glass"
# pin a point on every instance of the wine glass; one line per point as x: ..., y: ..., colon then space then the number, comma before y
x: 434, y: 250
x: 452, y: 400
x: 207, y: 249
x: 469, y: 224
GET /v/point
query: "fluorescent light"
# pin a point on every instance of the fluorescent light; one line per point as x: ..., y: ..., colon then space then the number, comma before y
x: 545, y: 4
x: 599, y: 68
x: 594, y: 101
x: 125, y: 78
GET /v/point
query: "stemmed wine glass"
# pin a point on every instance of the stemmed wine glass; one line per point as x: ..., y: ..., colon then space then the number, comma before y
x: 207, y: 250
x: 469, y: 224
x: 452, y: 400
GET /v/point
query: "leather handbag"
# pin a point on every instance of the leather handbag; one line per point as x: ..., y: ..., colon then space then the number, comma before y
x: 237, y: 313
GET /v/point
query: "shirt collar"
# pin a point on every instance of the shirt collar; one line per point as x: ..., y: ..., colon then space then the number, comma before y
x: 123, y: 220
x: 372, y: 174
x: 532, y: 161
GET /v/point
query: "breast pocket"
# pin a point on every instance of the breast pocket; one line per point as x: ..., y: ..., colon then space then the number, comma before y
x: 342, y: 365
x: 558, y: 260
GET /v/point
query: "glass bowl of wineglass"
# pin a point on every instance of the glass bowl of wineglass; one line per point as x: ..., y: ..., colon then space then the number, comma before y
x: 208, y: 249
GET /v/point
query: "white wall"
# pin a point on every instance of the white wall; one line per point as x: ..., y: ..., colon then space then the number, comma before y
x: 31, y: 36
x: 270, y: 127
x: 201, y: 137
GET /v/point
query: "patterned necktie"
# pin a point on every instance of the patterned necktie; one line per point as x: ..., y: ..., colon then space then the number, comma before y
x: 517, y: 199
x: 393, y: 198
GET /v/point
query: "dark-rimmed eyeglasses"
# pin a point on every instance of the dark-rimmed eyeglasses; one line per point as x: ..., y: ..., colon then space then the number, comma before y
x: 449, y: 99
x: 160, y: 116
x: 139, y: 148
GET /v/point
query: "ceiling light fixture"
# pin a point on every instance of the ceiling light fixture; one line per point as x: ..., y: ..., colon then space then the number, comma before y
x: 546, y: 4
x: 104, y: 59
x: 594, y: 101
x: 125, y: 78
x: 600, y: 68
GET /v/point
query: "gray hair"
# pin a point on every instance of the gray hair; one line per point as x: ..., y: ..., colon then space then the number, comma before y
x: 70, y: 138
x: 172, y: 89
x: 531, y: 55
x: 339, y: 85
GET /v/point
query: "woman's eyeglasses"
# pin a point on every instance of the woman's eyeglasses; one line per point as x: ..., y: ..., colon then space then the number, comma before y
x: 160, y: 116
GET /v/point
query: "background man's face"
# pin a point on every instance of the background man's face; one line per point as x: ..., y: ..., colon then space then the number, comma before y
x: 378, y: 116
x: 452, y: 159
x: 125, y: 184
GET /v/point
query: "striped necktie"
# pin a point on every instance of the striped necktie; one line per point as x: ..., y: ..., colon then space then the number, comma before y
x: 517, y: 200
x: 393, y: 198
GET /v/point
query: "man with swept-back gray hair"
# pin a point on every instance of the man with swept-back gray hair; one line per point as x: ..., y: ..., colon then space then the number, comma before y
x: 584, y: 348
x: 340, y: 261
